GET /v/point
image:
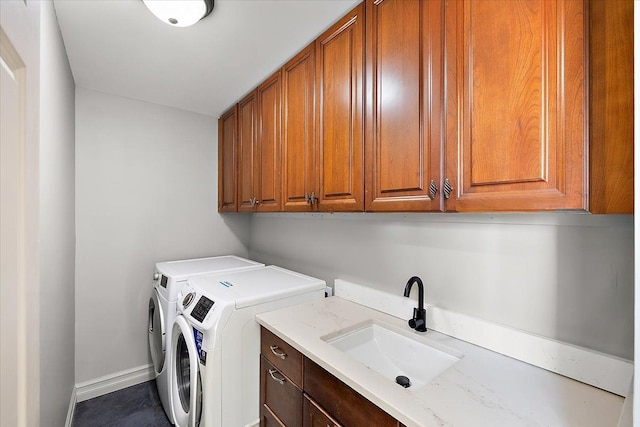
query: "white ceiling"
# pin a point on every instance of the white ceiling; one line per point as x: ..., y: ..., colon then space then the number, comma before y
x: 119, y: 47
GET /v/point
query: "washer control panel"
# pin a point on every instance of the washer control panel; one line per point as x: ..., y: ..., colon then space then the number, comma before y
x: 202, y: 308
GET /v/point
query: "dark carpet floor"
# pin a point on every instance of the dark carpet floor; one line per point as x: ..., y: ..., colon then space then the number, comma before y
x: 136, y: 406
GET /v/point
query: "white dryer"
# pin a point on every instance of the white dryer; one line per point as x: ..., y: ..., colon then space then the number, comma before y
x: 169, y: 278
x: 216, y: 343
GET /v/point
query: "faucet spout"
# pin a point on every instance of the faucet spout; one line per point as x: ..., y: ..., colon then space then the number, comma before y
x: 407, y: 290
x: 419, y: 320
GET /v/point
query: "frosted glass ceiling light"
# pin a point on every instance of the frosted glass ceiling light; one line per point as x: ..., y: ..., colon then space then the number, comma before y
x: 180, y: 13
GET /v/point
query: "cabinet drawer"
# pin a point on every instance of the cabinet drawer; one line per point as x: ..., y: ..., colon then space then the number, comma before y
x: 281, y: 396
x: 267, y: 419
x: 314, y: 416
x: 281, y: 355
x: 344, y: 404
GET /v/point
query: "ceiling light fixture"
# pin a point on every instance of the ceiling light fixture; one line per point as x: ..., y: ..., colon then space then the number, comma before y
x: 180, y: 13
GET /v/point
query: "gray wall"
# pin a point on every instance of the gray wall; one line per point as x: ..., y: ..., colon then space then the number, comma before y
x: 146, y: 191
x: 57, y: 224
x: 564, y: 276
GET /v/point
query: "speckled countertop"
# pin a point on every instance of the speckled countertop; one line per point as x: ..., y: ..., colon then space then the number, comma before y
x: 484, y: 388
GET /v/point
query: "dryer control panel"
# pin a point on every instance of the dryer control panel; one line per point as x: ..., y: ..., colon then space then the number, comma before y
x: 202, y: 308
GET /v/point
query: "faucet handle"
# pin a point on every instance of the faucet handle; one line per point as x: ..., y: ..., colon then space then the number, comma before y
x: 419, y: 320
x: 417, y: 324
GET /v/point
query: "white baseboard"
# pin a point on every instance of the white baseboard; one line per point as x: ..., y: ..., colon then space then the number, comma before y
x: 597, y: 369
x: 72, y: 408
x: 626, y: 416
x: 114, y: 382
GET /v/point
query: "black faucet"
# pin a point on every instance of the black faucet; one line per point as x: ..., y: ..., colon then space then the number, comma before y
x: 419, y: 321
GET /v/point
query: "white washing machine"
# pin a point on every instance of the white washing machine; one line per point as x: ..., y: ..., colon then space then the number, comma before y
x: 216, y: 343
x: 169, y: 278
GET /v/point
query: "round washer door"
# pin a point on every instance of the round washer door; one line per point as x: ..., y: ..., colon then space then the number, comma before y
x: 156, y: 332
x: 186, y: 387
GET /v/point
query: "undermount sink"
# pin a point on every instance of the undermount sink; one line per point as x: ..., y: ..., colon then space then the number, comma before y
x: 393, y: 352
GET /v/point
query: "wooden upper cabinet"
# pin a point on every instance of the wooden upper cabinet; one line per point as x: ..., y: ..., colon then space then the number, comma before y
x: 404, y: 132
x: 227, y: 160
x: 298, y: 137
x: 443, y: 105
x: 611, y: 106
x: 339, y: 114
x: 259, y: 145
x: 267, y: 164
x: 247, y: 141
x: 516, y: 135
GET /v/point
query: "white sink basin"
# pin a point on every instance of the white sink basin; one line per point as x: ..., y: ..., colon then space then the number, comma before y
x: 393, y: 352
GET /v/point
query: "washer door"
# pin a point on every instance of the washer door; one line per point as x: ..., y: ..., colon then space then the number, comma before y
x: 156, y: 332
x: 186, y: 387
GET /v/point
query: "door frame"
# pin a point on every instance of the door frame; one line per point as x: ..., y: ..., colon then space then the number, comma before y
x: 20, y: 50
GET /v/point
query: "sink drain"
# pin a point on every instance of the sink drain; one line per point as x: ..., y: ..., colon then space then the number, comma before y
x: 403, y: 381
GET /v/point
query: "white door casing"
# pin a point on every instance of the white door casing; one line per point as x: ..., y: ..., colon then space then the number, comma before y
x: 19, y: 194
x: 11, y: 231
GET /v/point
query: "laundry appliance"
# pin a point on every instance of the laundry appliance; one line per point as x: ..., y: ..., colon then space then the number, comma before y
x: 168, y: 279
x: 216, y: 343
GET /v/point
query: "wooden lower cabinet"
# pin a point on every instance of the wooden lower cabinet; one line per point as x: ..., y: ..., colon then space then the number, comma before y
x: 314, y: 416
x: 267, y: 419
x: 282, y: 356
x: 346, y: 405
x: 315, y: 399
x: 279, y: 395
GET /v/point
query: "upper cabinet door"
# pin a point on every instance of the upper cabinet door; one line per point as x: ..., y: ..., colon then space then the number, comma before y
x: 247, y: 140
x: 516, y: 105
x: 404, y: 135
x: 339, y: 107
x: 227, y: 160
x: 298, y: 138
x: 267, y: 161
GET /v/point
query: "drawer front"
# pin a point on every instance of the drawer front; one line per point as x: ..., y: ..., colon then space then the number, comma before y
x: 285, y: 358
x: 314, y: 416
x: 267, y: 419
x: 344, y: 404
x: 281, y: 396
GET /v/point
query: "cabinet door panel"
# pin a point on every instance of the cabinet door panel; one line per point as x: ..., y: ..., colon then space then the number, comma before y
x: 516, y: 105
x: 227, y: 161
x: 246, y: 147
x: 315, y: 416
x: 340, y: 58
x: 298, y: 149
x: 267, y: 163
x: 507, y: 65
x: 398, y: 100
x: 345, y: 405
x: 268, y: 419
x: 280, y: 395
x: 404, y: 106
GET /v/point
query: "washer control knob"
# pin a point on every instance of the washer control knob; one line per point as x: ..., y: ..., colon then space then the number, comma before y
x: 156, y: 277
x: 188, y: 299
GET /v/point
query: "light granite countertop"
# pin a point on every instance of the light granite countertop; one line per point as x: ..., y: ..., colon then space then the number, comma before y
x: 483, y: 388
